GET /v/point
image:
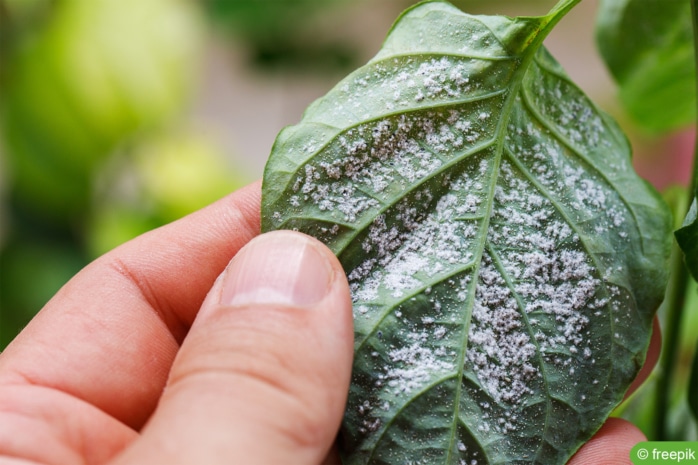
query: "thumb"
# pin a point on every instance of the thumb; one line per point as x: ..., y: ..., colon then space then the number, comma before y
x: 262, y: 377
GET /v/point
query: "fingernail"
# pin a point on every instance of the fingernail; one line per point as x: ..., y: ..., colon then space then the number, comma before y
x: 277, y: 268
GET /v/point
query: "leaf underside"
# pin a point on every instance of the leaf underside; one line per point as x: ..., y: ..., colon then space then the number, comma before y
x: 504, y: 259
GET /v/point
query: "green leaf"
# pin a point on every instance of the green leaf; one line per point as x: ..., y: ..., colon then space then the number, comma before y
x: 687, y: 237
x: 648, y: 47
x: 504, y: 259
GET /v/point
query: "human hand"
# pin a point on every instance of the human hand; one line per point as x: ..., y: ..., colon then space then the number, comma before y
x: 132, y: 361
x: 121, y: 366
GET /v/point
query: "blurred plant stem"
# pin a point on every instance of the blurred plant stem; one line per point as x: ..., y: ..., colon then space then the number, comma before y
x: 675, y: 303
x: 693, y: 188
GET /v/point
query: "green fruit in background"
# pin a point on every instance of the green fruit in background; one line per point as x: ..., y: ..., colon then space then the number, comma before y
x: 94, y: 73
x: 161, y: 179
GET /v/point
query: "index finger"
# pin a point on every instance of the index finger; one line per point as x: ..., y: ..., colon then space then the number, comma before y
x: 110, y: 334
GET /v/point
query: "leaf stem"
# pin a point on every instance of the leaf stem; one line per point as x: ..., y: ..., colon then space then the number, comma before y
x: 674, y: 305
x: 563, y: 5
x: 693, y: 190
x: 676, y: 291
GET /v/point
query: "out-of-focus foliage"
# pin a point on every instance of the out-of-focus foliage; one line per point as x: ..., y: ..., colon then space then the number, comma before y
x: 278, y: 35
x: 648, y: 47
x: 92, y: 74
x: 32, y: 267
x: 94, y: 151
x: 166, y: 176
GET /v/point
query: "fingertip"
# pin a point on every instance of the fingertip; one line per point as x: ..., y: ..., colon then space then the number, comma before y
x: 610, y: 445
x: 282, y: 267
x: 264, y: 372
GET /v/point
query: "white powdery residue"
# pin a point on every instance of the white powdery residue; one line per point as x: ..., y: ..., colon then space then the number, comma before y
x: 573, y: 115
x: 441, y: 78
x: 380, y: 239
x: 417, y: 243
x: 558, y: 231
x: 471, y: 127
x: 341, y: 197
x: 463, y: 125
x: 392, y: 150
x: 310, y: 146
x: 587, y: 192
x: 615, y: 216
x: 311, y: 177
x: 361, y: 311
x: 500, y: 351
x: 362, y: 271
x: 416, y: 364
x: 572, y: 175
x: 369, y: 423
x: 400, y: 272
x: 435, y: 238
x: 591, y: 193
x: 470, y: 205
x: 555, y: 278
x: 333, y: 170
x: 366, y: 290
x: 415, y: 163
x: 442, y: 139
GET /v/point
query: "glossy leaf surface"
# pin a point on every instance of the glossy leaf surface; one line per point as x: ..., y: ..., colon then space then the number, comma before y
x: 687, y: 237
x: 504, y: 259
x: 648, y: 47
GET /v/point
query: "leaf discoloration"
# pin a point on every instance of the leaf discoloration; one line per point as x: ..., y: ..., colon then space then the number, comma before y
x: 502, y: 255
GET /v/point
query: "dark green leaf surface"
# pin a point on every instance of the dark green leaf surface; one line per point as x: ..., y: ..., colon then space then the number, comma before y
x: 687, y: 237
x: 648, y: 47
x: 504, y: 259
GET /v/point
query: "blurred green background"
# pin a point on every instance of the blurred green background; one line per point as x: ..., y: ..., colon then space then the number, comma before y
x: 119, y: 116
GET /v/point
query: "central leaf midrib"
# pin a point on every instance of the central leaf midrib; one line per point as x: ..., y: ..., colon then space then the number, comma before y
x: 500, y: 134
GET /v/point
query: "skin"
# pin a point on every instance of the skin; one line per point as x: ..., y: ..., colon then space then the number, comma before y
x: 199, y: 342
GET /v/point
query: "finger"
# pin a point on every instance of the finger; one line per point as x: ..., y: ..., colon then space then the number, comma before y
x: 610, y: 445
x: 263, y: 375
x: 110, y: 335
